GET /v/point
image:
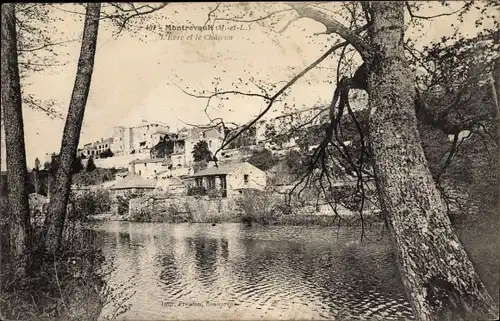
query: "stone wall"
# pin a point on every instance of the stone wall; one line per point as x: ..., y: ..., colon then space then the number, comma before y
x: 196, y: 209
x: 205, y: 209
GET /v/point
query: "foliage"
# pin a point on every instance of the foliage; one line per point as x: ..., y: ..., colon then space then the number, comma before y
x: 52, y: 167
x: 247, y: 138
x: 296, y: 162
x: 201, y: 152
x: 310, y: 136
x: 123, y: 201
x: 107, y: 153
x: 257, y: 207
x: 95, y: 177
x: 38, y: 41
x: 72, y: 285
x: 164, y: 148
x: 77, y: 166
x: 196, y: 191
x: 263, y: 159
x: 199, y: 165
x: 37, y: 164
x: 90, y: 165
x: 86, y: 203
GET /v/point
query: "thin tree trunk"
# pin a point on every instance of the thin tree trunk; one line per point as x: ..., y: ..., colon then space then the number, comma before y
x: 17, y: 173
x: 495, y: 83
x: 36, y: 181
x: 49, y: 178
x: 439, y: 277
x: 54, y: 222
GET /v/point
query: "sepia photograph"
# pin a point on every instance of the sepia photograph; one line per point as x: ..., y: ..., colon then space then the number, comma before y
x: 334, y: 160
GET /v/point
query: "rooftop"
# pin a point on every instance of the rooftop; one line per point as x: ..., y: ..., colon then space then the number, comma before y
x: 133, y: 181
x: 160, y: 132
x: 147, y: 161
x: 223, y: 169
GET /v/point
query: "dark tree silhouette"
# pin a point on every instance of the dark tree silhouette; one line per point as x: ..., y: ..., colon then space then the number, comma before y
x: 77, y: 165
x: 201, y: 152
x: 263, y: 159
x: 90, y: 165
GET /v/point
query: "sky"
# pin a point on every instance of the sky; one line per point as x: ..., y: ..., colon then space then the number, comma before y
x: 138, y: 75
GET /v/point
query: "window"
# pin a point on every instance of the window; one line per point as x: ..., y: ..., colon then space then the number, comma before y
x: 209, y: 143
x: 211, y: 182
x: 245, y: 178
x: 223, y: 183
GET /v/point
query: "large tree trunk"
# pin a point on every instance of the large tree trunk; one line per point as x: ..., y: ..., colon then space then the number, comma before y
x: 439, y: 277
x: 54, y: 222
x: 17, y: 174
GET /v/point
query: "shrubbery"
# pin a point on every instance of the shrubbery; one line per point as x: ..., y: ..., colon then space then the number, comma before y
x: 124, y: 200
x: 257, y: 207
x: 87, y: 203
x: 68, y: 286
x: 197, y: 191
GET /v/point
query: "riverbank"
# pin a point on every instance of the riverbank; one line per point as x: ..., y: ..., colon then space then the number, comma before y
x: 70, y: 285
x: 190, y: 209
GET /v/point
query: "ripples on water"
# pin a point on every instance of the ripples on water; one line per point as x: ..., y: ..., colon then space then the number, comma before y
x: 229, y: 271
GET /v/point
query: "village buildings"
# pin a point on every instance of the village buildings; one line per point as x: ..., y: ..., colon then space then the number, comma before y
x: 137, y: 139
x: 189, y: 137
x: 148, y: 168
x: 97, y: 148
x: 138, y: 148
x: 230, y: 179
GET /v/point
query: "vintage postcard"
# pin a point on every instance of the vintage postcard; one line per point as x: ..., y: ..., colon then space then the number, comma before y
x: 250, y: 160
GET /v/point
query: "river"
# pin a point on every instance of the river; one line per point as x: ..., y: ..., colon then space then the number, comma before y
x: 230, y: 271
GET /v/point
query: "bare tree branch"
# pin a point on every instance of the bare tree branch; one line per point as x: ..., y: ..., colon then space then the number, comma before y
x: 333, y: 26
x: 210, y: 14
x: 288, y: 24
x: 466, y: 6
x: 255, y: 19
x: 46, y: 45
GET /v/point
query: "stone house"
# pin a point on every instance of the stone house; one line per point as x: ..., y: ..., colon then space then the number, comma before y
x: 230, y: 179
x: 133, y: 183
x: 171, y: 185
x: 148, y: 168
x: 95, y: 149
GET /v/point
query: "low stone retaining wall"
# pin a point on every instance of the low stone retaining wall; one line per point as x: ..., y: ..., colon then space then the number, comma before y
x: 190, y: 208
x: 154, y: 208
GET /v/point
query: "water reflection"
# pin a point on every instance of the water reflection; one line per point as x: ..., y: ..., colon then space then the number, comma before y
x: 205, y: 258
x: 196, y: 271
